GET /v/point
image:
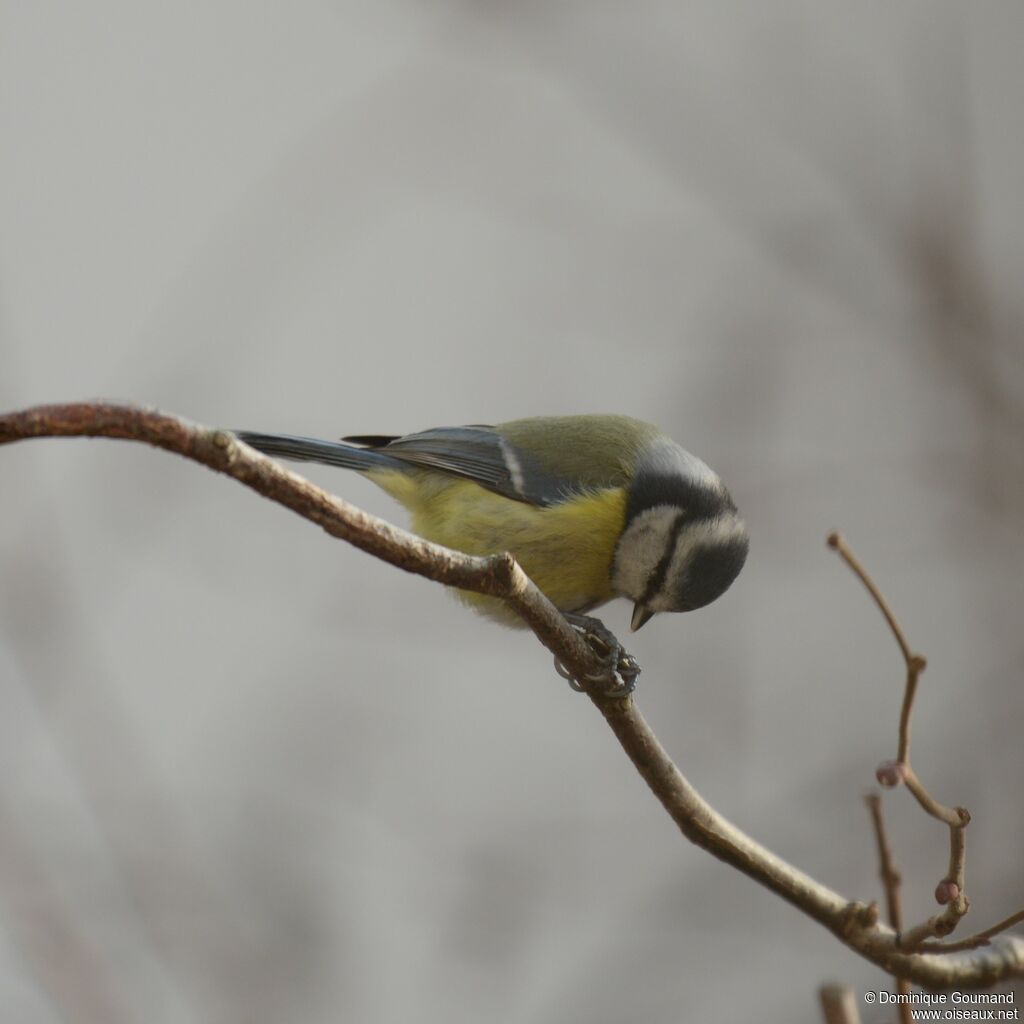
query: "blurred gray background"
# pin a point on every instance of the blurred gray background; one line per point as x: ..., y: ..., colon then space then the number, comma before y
x: 250, y: 774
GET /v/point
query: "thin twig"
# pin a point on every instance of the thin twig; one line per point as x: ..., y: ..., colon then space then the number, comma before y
x: 837, y: 543
x: 982, y: 938
x: 915, y: 663
x: 891, y: 880
x: 954, y: 817
x: 951, y: 890
x: 855, y: 924
x: 838, y: 1004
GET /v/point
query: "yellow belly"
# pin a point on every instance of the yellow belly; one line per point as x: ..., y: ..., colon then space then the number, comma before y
x: 565, y: 549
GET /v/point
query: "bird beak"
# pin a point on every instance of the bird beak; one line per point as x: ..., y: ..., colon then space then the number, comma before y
x: 640, y: 616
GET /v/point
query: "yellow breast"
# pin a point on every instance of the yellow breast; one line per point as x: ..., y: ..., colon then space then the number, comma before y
x: 565, y: 549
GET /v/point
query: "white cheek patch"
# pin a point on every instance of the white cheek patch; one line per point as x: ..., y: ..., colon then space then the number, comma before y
x: 640, y: 549
x: 711, y: 533
x: 706, y: 533
x: 639, y: 556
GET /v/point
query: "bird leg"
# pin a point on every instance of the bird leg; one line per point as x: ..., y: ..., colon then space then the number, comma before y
x: 619, y: 676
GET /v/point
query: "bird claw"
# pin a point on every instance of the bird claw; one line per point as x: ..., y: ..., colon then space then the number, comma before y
x: 619, y: 676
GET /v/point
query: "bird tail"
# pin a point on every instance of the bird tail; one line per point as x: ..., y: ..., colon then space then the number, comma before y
x: 309, y: 449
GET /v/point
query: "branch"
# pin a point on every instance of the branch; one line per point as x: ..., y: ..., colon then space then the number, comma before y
x: 219, y: 450
x: 974, y: 941
x: 887, y: 871
x: 891, y: 881
x: 855, y: 924
x: 839, y: 1004
x: 951, y: 890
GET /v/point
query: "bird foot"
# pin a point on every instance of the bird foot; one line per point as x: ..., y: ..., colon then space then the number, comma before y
x: 618, y: 679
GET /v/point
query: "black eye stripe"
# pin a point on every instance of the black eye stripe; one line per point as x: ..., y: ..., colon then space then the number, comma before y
x: 657, y: 578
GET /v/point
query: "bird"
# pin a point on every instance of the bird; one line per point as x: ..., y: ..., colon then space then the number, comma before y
x: 593, y: 507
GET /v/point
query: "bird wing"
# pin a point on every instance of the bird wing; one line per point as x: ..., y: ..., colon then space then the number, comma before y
x: 477, y: 453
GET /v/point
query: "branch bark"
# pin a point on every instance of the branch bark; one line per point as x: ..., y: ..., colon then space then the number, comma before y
x: 854, y: 923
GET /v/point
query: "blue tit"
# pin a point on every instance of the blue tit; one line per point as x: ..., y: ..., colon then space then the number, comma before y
x: 592, y: 507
